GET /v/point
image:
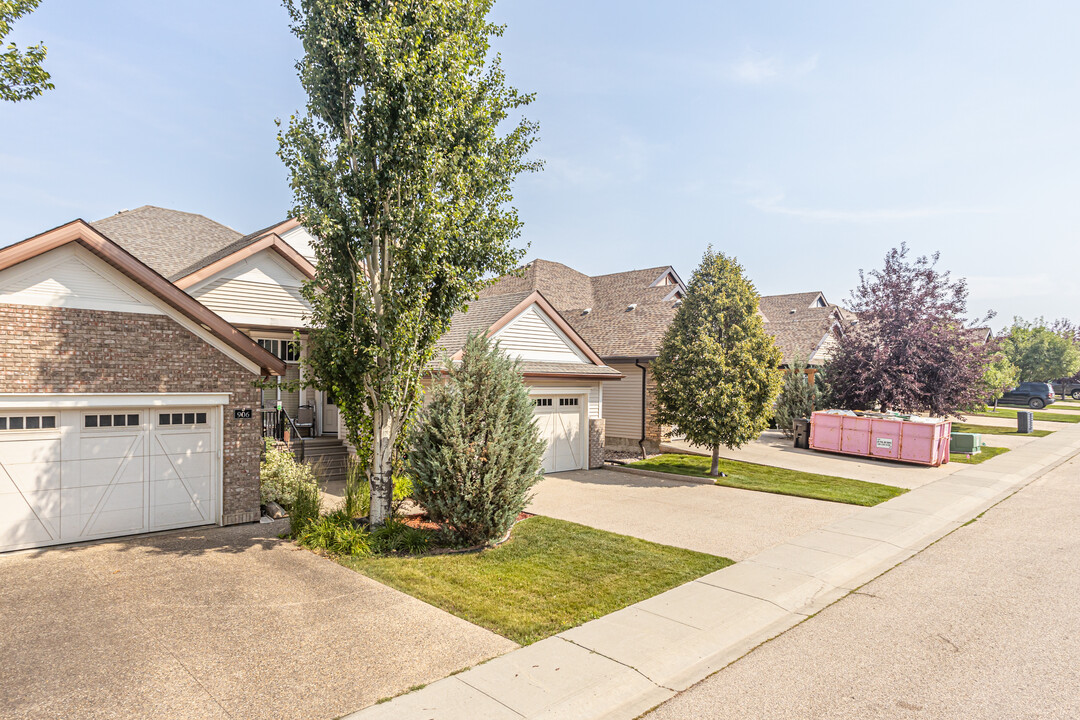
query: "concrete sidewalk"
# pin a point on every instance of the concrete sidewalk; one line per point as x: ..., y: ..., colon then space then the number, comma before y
x: 620, y: 665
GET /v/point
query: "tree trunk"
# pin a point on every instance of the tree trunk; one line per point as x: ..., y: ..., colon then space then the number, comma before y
x: 715, y: 470
x: 382, y: 471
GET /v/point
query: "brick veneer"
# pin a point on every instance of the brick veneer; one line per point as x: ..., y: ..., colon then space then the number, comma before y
x: 61, y: 350
x: 596, y: 443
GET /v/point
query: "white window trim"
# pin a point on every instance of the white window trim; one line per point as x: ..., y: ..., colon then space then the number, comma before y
x: 108, y: 400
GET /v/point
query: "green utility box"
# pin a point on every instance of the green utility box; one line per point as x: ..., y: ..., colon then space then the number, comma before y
x: 967, y: 443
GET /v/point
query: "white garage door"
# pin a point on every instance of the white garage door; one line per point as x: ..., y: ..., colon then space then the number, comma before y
x: 561, y: 422
x: 76, y: 474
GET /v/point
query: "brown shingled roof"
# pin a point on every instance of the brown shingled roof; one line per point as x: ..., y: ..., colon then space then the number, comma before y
x: 610, y: 326
x: 800, y: 335
x: 167, y: 240
x: 776, y: 307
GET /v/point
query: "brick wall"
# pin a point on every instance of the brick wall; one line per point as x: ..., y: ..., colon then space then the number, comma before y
x: 596, y: 443
x: 61, y: 350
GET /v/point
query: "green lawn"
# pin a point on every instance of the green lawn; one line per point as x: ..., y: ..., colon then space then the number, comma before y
x: 765, y: 478
x: 551, y: 576
x: 991, y: 430
x: 986, y: 454
x: 1009, y: 413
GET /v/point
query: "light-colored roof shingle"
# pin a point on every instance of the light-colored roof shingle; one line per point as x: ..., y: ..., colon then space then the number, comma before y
x: 169, y: 241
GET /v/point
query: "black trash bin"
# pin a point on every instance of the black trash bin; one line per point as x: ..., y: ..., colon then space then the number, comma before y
x: 1025, y: 422
x: 801, y: 428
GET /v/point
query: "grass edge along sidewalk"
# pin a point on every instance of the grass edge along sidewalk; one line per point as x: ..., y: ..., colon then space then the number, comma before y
x: 1010, y: 414
x: 780, y: 481
x: 552, y: 575
x: 994, y: 430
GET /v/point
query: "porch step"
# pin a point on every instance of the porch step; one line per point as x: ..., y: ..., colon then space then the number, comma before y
x: 328, y: 456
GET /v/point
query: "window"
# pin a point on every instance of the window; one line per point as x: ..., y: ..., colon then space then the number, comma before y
x: 186, y: 418
x: 112, y: 420
x: 564, y: 402
x: 28, y: 422
x: 287, y: 350
x: 542, y: 402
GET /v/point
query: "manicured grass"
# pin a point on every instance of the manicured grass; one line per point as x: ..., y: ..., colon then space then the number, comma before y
x: 986, y: 454
x: 991, y: 430
x: 1009, y: 413
x: 781, y: 481
x: 551, y: 576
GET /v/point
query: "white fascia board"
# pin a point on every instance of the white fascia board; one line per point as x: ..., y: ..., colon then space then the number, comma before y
x: 109, y: 400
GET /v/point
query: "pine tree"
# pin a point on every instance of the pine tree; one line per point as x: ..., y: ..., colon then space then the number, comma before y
x: 717, y: 373
x: 798, y: 398
x: 476, y: 450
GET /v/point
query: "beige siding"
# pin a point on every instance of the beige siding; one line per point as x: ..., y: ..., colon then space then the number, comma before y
x: 622, y: 403
x: 825, y: 350
x: 69, y: 277
x: 258, y: 291
x: 531, y: 336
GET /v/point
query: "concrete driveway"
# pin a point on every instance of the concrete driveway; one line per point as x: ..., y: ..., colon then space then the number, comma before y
x: 213, y: 623
x: 716, y: 520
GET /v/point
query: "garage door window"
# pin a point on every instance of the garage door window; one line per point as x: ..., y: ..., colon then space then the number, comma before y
x: 564, y: 402
x: 112, y: 420
x: 543, y: 402
x: 186, y: 418
x: 28, y: 422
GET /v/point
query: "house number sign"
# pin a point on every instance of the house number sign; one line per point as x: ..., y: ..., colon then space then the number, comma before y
x: 244, y: 414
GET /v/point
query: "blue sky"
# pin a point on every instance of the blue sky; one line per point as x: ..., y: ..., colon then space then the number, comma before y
x: 804, y: 138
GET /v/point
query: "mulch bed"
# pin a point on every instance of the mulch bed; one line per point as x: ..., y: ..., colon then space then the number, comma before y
x: 421, y: 521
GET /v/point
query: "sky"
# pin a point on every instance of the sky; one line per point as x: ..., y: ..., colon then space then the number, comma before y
x: 803, y: 138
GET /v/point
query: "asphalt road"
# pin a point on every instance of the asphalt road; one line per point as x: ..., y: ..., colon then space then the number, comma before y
x: 984, y: 624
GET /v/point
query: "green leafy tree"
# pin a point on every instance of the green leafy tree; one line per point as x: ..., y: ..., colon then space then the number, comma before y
x: 401, y: 174
x: 718, y: 371
x: 1041, y: 353
x: 22, y: 76
x: 1000, y: 375
x: 798, y: 397
x: 476, y: 452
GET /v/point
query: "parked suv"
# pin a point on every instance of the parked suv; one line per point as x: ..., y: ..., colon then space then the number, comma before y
x: 1067, y: 388
x: 1033, y: 394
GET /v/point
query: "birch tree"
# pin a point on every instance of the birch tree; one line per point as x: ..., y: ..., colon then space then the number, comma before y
x: 402, y: 169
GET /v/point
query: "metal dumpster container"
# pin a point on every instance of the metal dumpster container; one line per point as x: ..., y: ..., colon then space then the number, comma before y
x: 890, y: 437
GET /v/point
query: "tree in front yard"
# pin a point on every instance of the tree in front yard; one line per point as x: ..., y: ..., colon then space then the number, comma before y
x: 1042, y: 353
x: 718, y: 371
x: 401, y: 174
x: 476, y: 451
x: 798, y: 398
x: 911, y: 350
x: 22, y: 76
x: 1000, y: 375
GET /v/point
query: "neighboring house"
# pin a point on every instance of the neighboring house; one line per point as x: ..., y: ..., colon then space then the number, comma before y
x: 806, y: 326
x: 623, y: 317
x: 124, y: 402
x: 565, y: 377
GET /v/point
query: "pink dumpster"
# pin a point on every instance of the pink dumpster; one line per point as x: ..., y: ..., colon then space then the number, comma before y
x: 904, y: 438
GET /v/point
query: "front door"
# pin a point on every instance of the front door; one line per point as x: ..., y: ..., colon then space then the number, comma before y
x: 329, y: 423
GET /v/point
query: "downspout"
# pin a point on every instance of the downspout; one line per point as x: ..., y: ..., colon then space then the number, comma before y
x: 644, y: 378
